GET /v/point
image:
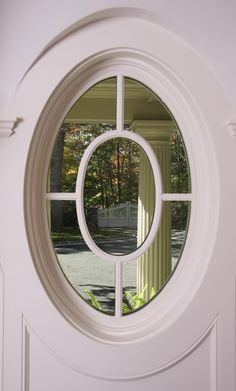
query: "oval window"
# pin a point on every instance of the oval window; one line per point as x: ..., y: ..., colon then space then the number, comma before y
x: 111, y: 194
x: 118, y: 197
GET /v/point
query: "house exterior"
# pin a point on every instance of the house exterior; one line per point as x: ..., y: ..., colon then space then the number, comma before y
x: 185, y: 53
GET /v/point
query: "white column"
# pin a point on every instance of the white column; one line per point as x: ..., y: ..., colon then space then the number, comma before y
x: 154, y: 267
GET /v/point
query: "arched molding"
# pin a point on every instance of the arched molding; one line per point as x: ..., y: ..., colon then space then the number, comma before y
x: 106, y: 13
x: 145, y: 68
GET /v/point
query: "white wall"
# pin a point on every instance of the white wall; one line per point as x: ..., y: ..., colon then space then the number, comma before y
x: 27, y: 26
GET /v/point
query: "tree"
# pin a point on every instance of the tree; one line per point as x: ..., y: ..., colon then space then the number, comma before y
x: 180, y: 182
x: 56, y: 180
x: 112, y: 174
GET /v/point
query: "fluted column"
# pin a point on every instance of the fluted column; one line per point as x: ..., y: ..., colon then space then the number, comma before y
x: 154, y: 267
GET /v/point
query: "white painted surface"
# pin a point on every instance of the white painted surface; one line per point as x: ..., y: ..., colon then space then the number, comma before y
x: 185, y: 339
x: 207, y: 26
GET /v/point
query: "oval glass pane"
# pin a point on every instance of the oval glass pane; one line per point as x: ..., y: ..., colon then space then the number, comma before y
x: 114, y: 194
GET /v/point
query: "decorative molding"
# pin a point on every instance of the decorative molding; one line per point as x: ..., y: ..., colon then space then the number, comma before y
x: 214, y: 374
x: 231, y: 125
x: 8, y: 125
x: 110, y: 13
x: 2, y: 300
x: 25, y: 356
x: 141, y: 66
x: 211, y: 332
x: 154, y: 130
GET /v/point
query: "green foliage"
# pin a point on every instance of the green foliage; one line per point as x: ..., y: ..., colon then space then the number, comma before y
x: 132, y: 301
x: 95, y: 303
x: 112, y: 174
x: 73, y: 235
x: 66, y: 236
x: 179, y: 165
x: 125, y: 308
x: 180, y: 181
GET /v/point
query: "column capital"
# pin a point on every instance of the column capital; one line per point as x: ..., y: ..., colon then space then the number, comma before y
x: 154, y: 130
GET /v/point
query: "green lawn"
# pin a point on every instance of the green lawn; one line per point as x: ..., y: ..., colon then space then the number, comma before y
x: 70, y: 235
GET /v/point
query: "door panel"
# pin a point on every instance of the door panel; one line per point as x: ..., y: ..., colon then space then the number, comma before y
x: 48, y: 372
x: 185, y: 338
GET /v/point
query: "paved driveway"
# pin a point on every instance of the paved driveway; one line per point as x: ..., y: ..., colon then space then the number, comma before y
x: 84, y: 270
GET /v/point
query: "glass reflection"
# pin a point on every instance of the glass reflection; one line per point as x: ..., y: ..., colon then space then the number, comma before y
x: 119, y: 196
x: 145, y: 111
x: 91, y: 277
x: 179, y: 166
x: 91, y: 115
x: 180, y: 213
x: 113, y: 195
x: 145, y: 277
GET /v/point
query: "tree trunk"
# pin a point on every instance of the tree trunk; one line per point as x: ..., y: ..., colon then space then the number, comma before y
x: 56, y: 182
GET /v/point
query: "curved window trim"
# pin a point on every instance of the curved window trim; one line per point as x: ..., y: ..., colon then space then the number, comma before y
x: 80, y: 188
x: 78, y: 196
x: 161, y: 81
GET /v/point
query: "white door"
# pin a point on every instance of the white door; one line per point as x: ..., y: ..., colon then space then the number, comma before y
x: 184, y: 339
